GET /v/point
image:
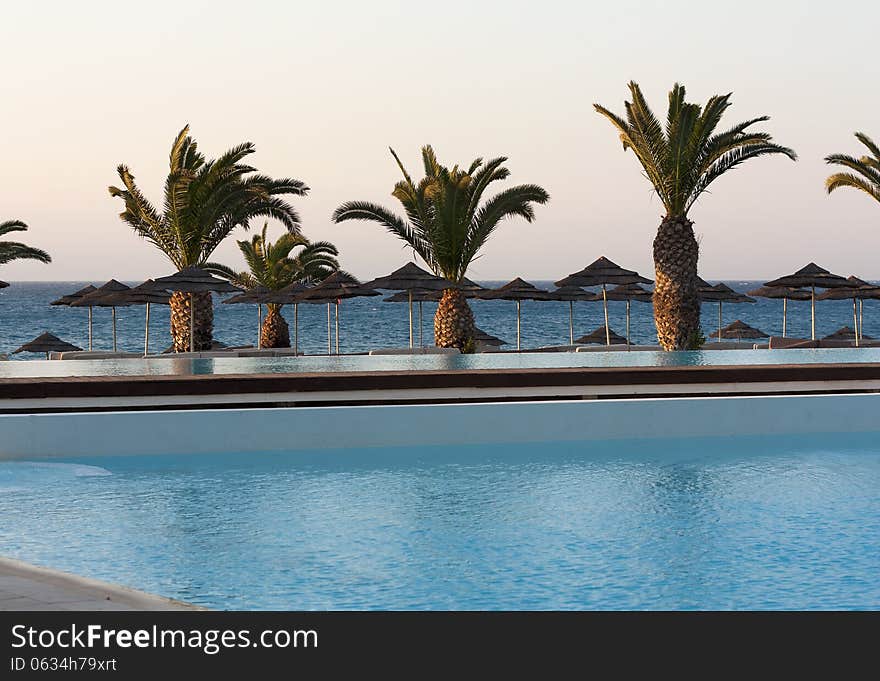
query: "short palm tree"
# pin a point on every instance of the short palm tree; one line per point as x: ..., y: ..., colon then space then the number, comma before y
x: 446, y: 225
x: 14, y: 250
x: 681, y: 161
x: 865, y: 171
x: 205, y: 200
x: 272, y: 266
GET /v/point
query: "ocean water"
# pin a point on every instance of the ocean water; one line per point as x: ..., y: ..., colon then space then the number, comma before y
x: 785, y: 522
x: 368, y: 323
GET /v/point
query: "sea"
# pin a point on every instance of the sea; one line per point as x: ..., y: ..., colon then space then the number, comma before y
x: 370, y: 323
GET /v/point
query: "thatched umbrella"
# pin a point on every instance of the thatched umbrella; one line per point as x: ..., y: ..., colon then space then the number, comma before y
x: 409, y: 278
x: 518, y: 290
x: 812, y: 277
x: 786, y: 293
x: 603, y: 272
x: 846, y: 333
x: 146, y: 294
x: 629, y: 293
x: 250, y: 296
x: 859, y: 290
x: 100, y: 297
x: 338, y: 286
x: 289, y: 295
x: 571, y: 294
x: 602, y: 335
x: 4, y: 284
x: 70, y: 298
x: 195, y: 280
x: 483, y: 338
x: 47, y: 342
x: 419, y: 296
x: 720, y: 293
x: 738, y: 330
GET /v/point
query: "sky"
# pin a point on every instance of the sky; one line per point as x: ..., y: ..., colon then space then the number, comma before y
x: 323, y: 89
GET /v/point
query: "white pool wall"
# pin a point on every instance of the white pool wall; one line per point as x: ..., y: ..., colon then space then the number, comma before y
x: 310, y: 428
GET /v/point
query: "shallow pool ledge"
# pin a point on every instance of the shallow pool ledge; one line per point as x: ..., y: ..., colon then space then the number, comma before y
x: 327, y: 428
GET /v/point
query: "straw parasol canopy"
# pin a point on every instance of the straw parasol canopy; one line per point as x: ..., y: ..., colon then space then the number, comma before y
x: 338, y: 286
x: 72, y: 297
x: 518, y: 290
x: 859, y: 290
x: 811, y: 277
x: 195, y: 280
x: 738, y: 330
x: 846, y: 333
x: 47, y: 342
x: 786, y: 293
x: 603, y: 272
x: 572, y: 293
x: 601, y: 335
x: 720, y: 293
x: 100, y: 297
x: 483, y: 338
x: 146, y: 294
x: 408, y: 278
x: 4, y: 284
x: 629, y: 293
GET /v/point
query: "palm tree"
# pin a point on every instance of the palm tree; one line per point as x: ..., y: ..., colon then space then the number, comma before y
x: 205, y: 200
x: 446, y: 225
x: 13, y: 250
x: 865, y: 175
x: 681, y: 162
x: 272, y: 266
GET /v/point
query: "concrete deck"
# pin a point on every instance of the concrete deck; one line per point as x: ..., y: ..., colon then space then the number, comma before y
x: 28, y: 587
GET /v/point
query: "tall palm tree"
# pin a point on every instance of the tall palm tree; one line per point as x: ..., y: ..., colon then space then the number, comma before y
x: 14, y: 250
x: 205, y: 200
x: 272, y: 266
x: 865, y: 175
x: 447, y: 225
x: 681, y: 161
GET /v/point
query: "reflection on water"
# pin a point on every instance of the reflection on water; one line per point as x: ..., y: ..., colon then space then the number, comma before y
x: 536, y: 360
x: 788, y: 522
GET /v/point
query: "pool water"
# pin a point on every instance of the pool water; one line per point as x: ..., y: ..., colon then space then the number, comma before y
x: 768, y: 523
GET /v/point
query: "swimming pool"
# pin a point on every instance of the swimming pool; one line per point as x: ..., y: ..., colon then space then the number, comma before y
x: 364, y: 363
x: 770, y: 521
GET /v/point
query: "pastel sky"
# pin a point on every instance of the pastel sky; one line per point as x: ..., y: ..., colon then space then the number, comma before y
x: 324, y: 88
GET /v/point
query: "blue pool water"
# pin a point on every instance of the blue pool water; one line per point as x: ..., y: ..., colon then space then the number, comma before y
x: 786, y: 522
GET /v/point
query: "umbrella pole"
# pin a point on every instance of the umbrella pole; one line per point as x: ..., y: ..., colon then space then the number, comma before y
x: 409, y: 292
x: 627, y: 323
x: 259, y: 326
x: 605, y: 305
x: 784, y: 314
x: 147, y: 333
x: 861, y: 317
x: 90, y: 328
x: 114, y: 328
x: 421, y: 337
x: 192, y: 322
x: 337, y: 327
x: 518, y: 304
x: 329, y: 335
x: 719, y: 320
x: 855, y: 322
x: 813, y: 314
x: 571, y: 322
x: 296, y: 329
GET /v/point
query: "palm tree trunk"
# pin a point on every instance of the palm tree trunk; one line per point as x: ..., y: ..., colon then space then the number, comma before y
x: 275, y: 331
x: 676, y: 304
x: 203, y: 323
x: 454, y: 321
